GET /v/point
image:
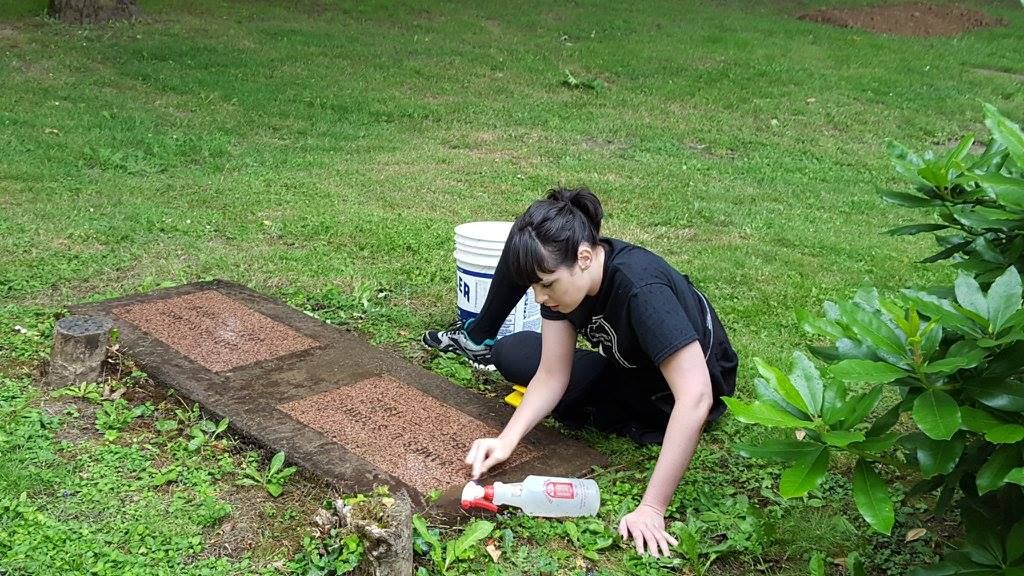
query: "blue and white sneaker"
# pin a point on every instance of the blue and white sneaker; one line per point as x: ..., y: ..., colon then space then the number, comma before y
x: 455, y: 340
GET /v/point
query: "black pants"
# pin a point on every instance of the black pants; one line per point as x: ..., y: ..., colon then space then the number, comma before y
x: 633, y: 403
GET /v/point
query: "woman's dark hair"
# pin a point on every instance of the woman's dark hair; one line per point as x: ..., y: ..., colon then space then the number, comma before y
x: 548, y: 235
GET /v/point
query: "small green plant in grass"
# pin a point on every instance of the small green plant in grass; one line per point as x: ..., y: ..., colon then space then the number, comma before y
x: 853, y: 564
x: 453, y: 367
x: 337, y: 554
x: 272, y: 479
x: 589, y: 536
x: 113, y: 417
x: 205, y: 433
x: 446, y: 554
x: 588, y: 83
x: 188, y: 417
x: 166, y: 425
x: 86, y: 390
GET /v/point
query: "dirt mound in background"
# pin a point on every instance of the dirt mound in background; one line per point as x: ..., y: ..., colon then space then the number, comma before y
x: 906, y: 19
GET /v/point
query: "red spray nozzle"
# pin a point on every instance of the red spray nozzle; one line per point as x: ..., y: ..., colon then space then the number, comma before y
x: 477, y: 496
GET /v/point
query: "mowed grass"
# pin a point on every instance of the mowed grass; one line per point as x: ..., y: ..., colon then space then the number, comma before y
x: 309, y: 146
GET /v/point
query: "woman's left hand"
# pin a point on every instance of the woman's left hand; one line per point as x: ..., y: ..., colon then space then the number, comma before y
x: 647, y: 527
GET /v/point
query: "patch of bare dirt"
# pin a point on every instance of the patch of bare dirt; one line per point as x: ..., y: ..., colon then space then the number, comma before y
x: 9, y: 37
x: 604, y: 144
x: 906, y: 19
x: 1000, y: 73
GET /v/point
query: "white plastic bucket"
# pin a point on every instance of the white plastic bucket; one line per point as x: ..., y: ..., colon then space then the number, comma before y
x: 478, y: 246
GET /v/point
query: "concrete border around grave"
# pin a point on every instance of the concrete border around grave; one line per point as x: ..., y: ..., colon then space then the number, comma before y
x: 254, y: 414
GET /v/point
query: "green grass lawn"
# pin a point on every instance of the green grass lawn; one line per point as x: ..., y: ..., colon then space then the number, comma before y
x: 323, y: 152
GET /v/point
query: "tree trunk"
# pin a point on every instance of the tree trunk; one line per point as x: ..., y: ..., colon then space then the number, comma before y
x: 93, y: 11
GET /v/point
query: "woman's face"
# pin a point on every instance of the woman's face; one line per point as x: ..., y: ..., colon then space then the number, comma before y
x: 567, y: 286
x: 562, y: 290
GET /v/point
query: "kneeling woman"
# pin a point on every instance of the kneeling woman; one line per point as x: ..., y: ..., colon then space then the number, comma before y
x: 664, y: 359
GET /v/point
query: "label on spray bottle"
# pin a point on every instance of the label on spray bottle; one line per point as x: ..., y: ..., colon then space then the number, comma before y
x: 560, y: 490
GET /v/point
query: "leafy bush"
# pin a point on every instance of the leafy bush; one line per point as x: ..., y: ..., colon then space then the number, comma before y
x: 953, y: 359
x: 980, y: 198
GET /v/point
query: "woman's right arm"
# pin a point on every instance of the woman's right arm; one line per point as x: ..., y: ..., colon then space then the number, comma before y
x: 558, y: 347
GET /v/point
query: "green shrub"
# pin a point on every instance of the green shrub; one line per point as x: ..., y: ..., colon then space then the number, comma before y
x: 956, y: 364
x: 979, y: 199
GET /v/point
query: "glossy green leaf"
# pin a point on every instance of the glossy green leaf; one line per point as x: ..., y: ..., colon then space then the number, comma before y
x: 984, y: 543
x: 764, y: 392
x: 977, y: 420
x: 764, y: 414
x: 854, y: 565
x: 805, y: 378
x: 946, y: 252
x: 841, y: 438
x: 946, y: 365
x: 1004, y: 298
x: 1009, y: 191
x: 954, y: 156
x: 932, y: 336
x: 780, y: 450
x: 938, y: 456
x: 276, y: 463
x: 833, y: 403
x: 821, y: 326
x: 862, y: 406
x: 969, y: 295
x: 872, y: 497
x: 1005, y: 434
x: 854, y: 370
x: 876, y: 444
x: 473, y: 533
x: 994, y: 471
x: 1015, y: 539
x: 886, y: 421
x: 805, y: 473
x: 1004, y: 394
x: 867, y: 296
x: 942, y: 309
x: 937, y: 414
x: 985, y: 219
x: 782, y: 384
x: 912, y: 229
x: 1015, y: 476
x: 896, y: 312
x: 873, y: 331
x: 905, y: 162
x: 1006, y: 133
x: 816, y: 567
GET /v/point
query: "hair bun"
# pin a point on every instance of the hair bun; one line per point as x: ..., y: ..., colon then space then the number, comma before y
x: 583, y: 200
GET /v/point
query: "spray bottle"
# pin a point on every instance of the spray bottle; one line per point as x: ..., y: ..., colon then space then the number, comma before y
x: 546, y: 496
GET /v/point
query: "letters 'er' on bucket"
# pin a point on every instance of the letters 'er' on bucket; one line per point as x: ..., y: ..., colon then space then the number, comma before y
x: 478, y: 246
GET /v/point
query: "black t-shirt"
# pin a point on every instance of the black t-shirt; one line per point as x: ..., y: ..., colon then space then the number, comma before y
x: 644, y: 311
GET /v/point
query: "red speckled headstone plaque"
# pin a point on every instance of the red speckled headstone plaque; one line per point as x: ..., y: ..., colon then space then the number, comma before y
x: 214, y: 330
x: 352, y: 413
x: 399, y: 429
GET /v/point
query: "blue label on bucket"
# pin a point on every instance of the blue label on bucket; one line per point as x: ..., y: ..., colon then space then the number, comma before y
x: 471, y: 291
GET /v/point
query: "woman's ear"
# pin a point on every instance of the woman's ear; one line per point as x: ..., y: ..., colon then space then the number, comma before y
x: 585, y: 257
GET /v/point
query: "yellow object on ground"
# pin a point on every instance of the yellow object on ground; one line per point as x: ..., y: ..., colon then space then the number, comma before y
x: 516, y: 396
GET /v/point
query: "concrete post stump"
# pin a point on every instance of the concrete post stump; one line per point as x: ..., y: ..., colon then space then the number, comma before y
x: 384, y: 524
x: 79, y: 349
